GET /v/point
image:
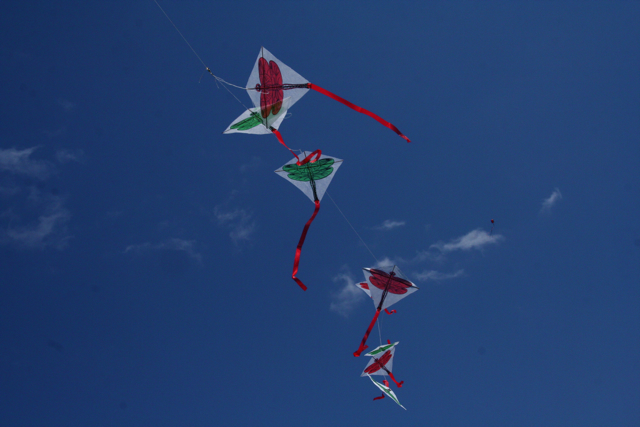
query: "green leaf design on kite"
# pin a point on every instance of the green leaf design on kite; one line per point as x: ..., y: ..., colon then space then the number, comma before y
x: 317, y: 170
x: 249, y: 123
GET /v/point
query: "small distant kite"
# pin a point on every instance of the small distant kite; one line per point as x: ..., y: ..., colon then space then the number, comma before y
x: 492, y: 224
x: 386, y: 390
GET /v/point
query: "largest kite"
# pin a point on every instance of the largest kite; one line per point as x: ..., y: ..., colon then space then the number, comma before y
x: 269, y: 80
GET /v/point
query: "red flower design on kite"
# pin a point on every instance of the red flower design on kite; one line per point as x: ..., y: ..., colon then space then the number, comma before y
x: 379, y: 363
x: 270, y: 87
x: 380, y: 279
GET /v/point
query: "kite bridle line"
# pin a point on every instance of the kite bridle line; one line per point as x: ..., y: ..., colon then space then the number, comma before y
x: 222, y: 81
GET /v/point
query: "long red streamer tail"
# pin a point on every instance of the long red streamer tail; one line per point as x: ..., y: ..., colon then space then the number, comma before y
x: 379, y: 397
x: 363, y: 347
x: 379, y: 119
x: 299, y: 248
x: 278, y: 135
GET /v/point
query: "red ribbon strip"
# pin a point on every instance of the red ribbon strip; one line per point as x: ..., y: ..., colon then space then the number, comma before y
x: 389, y: 312
x: 358, y: 109
x: 279, y: 136
x: 307, y: 159
x: 366, y: 335
x: 385, y: 382
x: 399, y: 384
x: 299, y: 248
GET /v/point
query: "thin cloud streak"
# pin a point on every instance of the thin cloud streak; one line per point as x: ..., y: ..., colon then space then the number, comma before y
x: 475, y: 239
x: 175, y: 244
x: 437, y: 275
x: 550, y: 201
x: 389, y: 225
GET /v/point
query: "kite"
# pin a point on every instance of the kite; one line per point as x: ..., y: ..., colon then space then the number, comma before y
x: 381, y: 362
x: 492, y: 224
x: 388, y: 288
x: 386, y: 390
x: 312, y: 176
x: 269, y: 80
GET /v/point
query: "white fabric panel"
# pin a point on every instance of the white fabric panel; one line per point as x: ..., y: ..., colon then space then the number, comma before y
x: 274, y: 120
x: 288, y: 77
x: 362, y: 286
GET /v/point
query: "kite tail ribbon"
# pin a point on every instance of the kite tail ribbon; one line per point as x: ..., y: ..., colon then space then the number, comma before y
x: 389, y: 312
x: 385, y: 382
x: 299, y: 248
x: 278, y: 135
x: 358, y: 109
x: 363, y: 347
x: 399, y: 384
x: 307, y: 159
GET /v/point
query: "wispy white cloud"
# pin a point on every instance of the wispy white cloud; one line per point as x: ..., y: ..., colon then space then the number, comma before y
x: 385, y: 262
x: 66, y: 104
x: 475, y: 239
x: 187, y: 246
x: 251, y: 164
x: 550, y: 201
x: 389, y: 225
x: 50, y: 229
x: 344, y: 300
x: 20, y: 162
x: 437, y: 275
x: 66, y: 156
x: 240, y: 223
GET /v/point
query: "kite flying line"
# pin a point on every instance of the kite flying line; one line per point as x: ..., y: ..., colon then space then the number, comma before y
x: 352, y: 227
x: 219, y: 79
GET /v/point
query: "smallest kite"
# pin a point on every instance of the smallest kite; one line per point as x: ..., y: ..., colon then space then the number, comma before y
x: 386, y: 390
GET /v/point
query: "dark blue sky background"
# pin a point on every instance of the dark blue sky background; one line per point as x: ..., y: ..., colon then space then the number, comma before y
x: 145, y: 258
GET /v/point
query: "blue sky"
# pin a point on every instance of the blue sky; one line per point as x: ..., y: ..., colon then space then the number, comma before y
x: 145, y: 258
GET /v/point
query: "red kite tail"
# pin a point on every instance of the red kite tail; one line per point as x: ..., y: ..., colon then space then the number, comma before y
x: 399, y: 384
x: 276, y: 132
x: 363, y: 347
x: 296, y: 261
x: 358, y: 109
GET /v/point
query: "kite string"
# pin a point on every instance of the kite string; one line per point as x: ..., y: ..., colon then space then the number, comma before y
x: 354, y: 230
x: 221, y: 80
